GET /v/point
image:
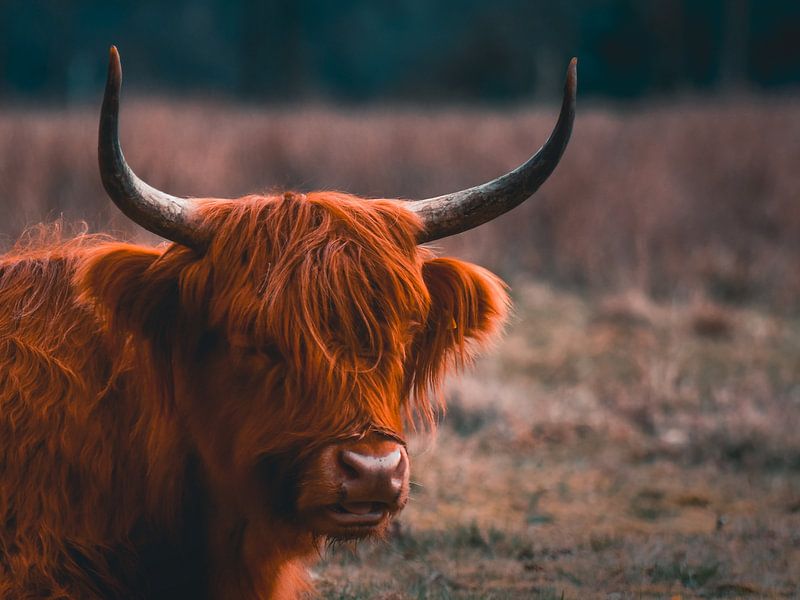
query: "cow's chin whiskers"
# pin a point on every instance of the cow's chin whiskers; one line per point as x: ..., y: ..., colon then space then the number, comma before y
x: 356, y: 534
x: 331, y: 543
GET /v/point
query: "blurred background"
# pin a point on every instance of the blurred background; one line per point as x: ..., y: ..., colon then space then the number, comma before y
x: 637, y: 432
x: 411, y: 50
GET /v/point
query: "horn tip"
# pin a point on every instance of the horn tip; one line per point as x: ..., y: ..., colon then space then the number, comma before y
x: 572, y: 72
x: 114, y: 67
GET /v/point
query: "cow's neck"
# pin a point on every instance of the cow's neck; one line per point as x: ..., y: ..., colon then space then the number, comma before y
x: 256, y: 559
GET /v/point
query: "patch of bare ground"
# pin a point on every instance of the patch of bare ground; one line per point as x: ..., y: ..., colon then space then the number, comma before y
x: 610, y: 448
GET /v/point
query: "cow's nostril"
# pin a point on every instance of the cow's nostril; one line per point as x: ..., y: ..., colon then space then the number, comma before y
x: 349, y: 467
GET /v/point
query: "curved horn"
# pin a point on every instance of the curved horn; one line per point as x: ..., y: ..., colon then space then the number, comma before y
x: 460, y: 211
x: 170, y: 217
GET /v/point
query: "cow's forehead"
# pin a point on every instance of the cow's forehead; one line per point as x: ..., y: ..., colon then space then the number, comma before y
x: 324, y: 274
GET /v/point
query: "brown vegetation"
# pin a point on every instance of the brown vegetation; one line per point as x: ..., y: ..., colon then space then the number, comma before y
x: 670, y: 200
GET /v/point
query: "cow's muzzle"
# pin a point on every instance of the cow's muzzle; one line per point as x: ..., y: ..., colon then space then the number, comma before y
x: 374, y: 482
x: 370, y: 477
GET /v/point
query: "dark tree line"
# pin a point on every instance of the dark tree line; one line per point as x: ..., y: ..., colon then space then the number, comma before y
x: 362, y: 50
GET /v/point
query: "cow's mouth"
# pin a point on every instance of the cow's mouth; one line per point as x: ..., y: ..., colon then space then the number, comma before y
x: 357, y: 514
x: 351, y: 520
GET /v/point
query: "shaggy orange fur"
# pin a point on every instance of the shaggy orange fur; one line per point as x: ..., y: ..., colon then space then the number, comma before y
x: 157, y: 407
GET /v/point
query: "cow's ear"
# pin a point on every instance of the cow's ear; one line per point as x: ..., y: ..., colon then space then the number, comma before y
x: 131, y: 288
x: 468, y: 307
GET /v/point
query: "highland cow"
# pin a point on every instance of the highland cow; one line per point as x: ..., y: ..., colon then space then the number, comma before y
x: 194, y: 420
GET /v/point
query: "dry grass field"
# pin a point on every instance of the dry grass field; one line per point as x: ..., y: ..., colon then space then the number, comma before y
x: 673, y: 200
x: 636, y: 434
x: 613, y: 448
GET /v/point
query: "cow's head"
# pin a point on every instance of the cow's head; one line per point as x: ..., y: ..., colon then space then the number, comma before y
x: 300, y: 332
